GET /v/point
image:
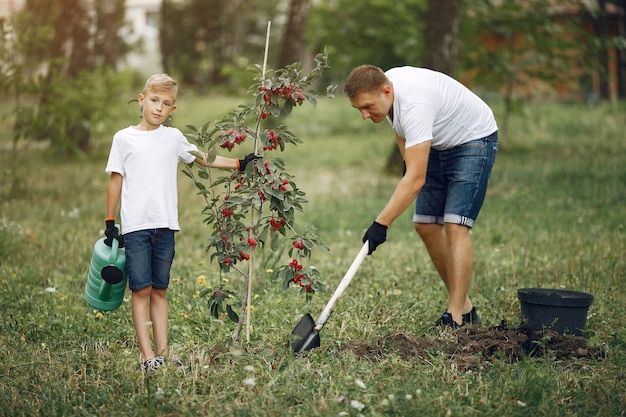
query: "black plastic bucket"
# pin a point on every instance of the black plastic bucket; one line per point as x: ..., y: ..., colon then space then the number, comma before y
x: 559, y: 310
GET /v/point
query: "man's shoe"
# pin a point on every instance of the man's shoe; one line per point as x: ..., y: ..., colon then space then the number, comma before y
x: 471, y: 318
x: 446, y: 321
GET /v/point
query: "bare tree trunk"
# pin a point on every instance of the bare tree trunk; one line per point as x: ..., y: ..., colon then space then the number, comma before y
x: 239, y: 25
x: 440, y: 52
x: 293, y: 46
x: 441, y: 36
x: 165, y: 49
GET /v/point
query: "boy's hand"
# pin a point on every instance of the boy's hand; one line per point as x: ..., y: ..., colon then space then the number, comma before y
x: 245, y: 161
x: 111, y: 232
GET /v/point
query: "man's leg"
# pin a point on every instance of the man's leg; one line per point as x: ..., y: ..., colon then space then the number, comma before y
x: 450, y: 249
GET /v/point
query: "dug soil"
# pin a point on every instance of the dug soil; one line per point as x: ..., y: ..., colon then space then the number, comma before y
x: 470, y: 347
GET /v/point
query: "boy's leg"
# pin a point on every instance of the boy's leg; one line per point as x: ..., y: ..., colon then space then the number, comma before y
x: 141, y: 321
x: 162, y: 256
x: 158, y: 314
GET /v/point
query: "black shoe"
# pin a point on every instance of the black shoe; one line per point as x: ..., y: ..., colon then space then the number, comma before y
x: 471, y: 317
x: 446, y: 321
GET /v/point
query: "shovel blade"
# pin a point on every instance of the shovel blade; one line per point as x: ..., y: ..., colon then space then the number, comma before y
x: 304, y: 336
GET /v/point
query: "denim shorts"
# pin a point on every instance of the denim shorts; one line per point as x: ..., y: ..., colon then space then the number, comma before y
x: 456, y: 183
x: 149, y: 256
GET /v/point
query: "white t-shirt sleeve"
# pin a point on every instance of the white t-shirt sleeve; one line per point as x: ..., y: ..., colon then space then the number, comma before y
x: 115, y: 162
x: 184, y: 149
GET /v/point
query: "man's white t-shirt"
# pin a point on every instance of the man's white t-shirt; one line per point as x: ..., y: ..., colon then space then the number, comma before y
x: 148, y: 162
x: 431, y: 105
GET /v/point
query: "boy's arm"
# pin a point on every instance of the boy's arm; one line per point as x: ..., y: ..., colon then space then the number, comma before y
x: 219, y: 162
x: 113, y: 194
x: 227, y: 163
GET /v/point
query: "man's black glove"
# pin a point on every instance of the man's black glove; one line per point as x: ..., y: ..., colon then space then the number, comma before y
x: 111, y: 232
x: 245, y: 161
x: 376, y: 235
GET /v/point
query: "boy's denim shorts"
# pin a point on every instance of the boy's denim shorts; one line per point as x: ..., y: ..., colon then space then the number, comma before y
x: 149, y: 256
x: 456, y: 183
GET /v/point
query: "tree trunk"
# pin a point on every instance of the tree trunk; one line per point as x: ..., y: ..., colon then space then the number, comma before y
x: 165, y: 45
x: 441, y: 36
x: 440, y: 50
x: 293, y: 46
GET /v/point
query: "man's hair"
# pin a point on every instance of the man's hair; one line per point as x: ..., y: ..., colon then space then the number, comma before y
x: 161, y: 83
x: 364, y: 79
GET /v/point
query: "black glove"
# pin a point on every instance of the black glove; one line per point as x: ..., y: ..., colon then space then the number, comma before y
x: 245, y: 161
x: 376, y: 235
x: 111, y: 232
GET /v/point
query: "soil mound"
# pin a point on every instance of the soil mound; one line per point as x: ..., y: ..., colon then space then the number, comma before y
x: 469, y: 347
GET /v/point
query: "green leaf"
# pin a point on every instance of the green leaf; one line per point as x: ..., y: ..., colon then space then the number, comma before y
x: 234, y: 317
x: 204, y: 292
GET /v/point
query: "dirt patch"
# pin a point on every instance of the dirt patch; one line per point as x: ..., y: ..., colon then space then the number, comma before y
x: 470, y: 347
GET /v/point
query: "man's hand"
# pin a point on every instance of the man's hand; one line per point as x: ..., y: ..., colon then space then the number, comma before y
x: 245, y: 161
x: 376, y: 235
x: 111, y: 232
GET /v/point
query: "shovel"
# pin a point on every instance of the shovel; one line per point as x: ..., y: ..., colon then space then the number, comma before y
x: 305, y: 335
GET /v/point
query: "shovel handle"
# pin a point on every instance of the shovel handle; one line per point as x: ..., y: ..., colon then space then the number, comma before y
x: 345, y: 281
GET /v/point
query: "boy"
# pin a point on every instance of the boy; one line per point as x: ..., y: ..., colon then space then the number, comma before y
x: 143, y: 167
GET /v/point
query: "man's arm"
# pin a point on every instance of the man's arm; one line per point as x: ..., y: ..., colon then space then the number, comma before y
x: 416, y: 160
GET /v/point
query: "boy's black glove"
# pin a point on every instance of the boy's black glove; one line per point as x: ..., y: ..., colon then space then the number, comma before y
x: 376, y: 235
x: 245, y: 161
x: 111, y: 232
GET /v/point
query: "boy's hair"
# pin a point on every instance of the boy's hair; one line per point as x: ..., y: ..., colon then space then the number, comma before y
x: 364, y: 79
x: 161, y: 83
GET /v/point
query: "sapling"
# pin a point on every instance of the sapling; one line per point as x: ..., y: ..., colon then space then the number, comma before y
x: 256, y: 209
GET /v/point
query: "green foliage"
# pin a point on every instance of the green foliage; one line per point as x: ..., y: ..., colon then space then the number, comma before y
x: 208, y: 44
x: 526, y: 49
x: 74, y: 108
x: 367, y: 32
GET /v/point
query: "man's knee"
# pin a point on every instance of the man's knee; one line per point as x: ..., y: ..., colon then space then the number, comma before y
x: 427, y: 229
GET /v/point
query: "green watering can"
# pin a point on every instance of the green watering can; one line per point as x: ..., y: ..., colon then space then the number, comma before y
x: 106, y: 278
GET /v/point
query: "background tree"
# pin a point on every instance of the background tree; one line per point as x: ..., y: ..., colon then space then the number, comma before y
x: 521, y: 49
x: 293, y: 48
x: 441, y: 36
x: 81, y: 36
x: 439, y: 52
x: 367, y: 32
x: 216, y: 40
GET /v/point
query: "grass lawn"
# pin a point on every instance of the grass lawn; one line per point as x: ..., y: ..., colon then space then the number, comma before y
x: 554, y: 217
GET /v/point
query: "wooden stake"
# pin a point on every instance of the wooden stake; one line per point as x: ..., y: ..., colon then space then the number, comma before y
x: 256, y: 149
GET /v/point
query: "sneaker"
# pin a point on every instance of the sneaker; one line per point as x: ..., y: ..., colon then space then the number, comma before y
x: 175, y: 361
x: 152, y: 364
x: 446, y: 320
x: 471, y: 317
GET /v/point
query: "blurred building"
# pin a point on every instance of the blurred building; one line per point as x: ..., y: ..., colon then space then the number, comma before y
x: 141, y: 31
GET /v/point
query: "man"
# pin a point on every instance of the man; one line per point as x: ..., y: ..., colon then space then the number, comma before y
x: 448, y: 139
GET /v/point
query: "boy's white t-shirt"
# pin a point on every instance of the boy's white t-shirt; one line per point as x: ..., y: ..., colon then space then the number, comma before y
x: 431, y: 105
x: 148, y: 162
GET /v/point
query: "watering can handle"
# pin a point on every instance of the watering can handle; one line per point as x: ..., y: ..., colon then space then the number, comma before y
x: 115, y: 244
